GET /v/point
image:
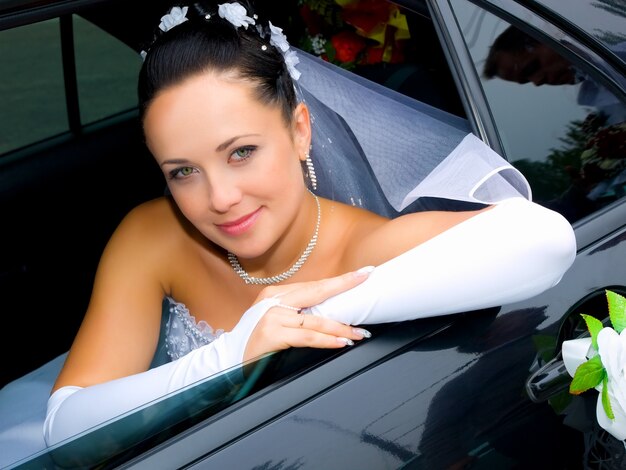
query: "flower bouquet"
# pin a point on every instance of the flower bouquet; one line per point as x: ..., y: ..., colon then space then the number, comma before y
x: 354, y: 32
x: 599, y: 362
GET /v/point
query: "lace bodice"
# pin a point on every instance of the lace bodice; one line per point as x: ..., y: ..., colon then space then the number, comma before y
x: 183, y: 334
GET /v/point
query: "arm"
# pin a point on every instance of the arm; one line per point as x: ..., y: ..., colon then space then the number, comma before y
x: 72, y: 409
x: 105, y: 375
x: 510, y: 252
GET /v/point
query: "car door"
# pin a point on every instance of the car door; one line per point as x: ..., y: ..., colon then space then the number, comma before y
x: 551, y: 130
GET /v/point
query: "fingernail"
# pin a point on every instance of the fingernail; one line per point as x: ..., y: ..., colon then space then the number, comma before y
x: 345, y: 341
x: 362, y: 332
x: 365, y: 271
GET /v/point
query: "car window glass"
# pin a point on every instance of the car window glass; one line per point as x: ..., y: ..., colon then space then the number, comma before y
x: 380, y: 41
x: 604, y: 19
x: 31, y: 85
x: 557, y: 123
x: 126, y: 436
x: 106, y: 72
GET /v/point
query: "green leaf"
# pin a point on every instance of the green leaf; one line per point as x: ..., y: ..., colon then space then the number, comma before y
x: 606, y: 403
x: 560, y: 401
x: 545, y: 346
x: 588, y: 375
x: 331, y: 53
x: 617, y: 310
x: 594, y: 326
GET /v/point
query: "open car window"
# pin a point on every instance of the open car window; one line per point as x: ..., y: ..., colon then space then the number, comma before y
x: 105, y: 88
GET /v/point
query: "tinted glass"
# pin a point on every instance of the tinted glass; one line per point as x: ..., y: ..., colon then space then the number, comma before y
x: 380, y: 41
x: 31, y: 85
x: 558, y: 125
x: 106, y: 70
x: 604, y: 19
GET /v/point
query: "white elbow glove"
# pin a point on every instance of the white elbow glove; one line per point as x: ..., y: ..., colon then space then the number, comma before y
x: 511, y: 252
x: 72, y: 410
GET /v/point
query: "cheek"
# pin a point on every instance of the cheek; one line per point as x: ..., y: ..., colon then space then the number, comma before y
x: 282, y: 171
x: 190, y: 201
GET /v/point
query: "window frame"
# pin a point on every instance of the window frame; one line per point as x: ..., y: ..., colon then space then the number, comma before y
x: 64, y: 13
x: 565, y: 39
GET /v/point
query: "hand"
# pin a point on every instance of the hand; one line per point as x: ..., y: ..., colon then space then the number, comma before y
x: 282, y: 327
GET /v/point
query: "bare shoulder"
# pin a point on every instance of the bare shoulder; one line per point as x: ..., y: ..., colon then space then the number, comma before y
x: 126, y: 298
x: 375, y: 241
x: 154, y: 214
x: 152, y: 225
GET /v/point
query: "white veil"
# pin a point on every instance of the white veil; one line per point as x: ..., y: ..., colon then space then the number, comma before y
x: 376, y: 148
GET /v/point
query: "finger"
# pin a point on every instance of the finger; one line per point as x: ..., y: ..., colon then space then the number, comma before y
x: 304, y: 338
x: 325, y: 326
x: 325, y: 287
x: 311, y: 293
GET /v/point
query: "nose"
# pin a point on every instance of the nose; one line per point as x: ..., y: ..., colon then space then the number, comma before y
x: 223, y: 195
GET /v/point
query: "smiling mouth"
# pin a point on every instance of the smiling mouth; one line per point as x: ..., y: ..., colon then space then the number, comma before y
x: 241, y: 225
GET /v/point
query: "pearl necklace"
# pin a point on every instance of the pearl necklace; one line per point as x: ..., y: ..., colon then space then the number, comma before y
x: 234, y: 262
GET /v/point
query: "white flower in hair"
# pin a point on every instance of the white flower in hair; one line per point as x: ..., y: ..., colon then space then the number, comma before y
x: 278, y: 39
x: 235, y: 14
x: 291, y: 59
x: 176, y: 16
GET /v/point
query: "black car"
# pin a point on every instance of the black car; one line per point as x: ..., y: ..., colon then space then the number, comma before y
x: 482, y: 389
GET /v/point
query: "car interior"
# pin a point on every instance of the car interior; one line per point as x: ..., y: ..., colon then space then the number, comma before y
x: 62, y: 196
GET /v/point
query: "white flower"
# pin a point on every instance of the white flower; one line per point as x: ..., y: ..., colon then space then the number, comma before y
x: 176, y: 16
x: 318, y: 44
x: 235, y: 14
x: 612, y: 350
x: 278, y: 39
x: 291, y: 59
x: 575, y: 352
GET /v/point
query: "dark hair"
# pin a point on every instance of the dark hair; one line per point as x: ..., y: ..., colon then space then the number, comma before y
x: 511, y: 40
x: 199, y: 45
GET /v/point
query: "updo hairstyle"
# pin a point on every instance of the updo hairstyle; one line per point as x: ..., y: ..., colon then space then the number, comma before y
x: 200, y: 45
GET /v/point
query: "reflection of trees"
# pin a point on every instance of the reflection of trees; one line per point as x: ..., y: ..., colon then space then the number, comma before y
x: 551, y: 177
x: 617, y: 8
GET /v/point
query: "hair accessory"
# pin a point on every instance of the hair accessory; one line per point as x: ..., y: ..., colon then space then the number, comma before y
x: 234, y: 262
x: 279, y: 41
x: 263, y: 47
x: 310, y: 170
x: 176, y: 16
x: 235, y: 14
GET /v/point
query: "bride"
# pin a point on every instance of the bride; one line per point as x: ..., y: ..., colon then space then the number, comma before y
x: 249, y: 258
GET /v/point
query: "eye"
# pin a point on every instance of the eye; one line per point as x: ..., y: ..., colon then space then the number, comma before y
x: 181, y: 172
x: 242, y: 153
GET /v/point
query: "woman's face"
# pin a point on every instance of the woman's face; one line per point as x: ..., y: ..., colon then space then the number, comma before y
x: 232, y: 163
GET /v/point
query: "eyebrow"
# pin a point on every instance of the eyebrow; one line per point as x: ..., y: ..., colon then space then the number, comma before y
x: 174, y: 161
x: 226, y: 144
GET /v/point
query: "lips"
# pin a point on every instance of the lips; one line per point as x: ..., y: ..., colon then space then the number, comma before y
x: 241, y: 225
